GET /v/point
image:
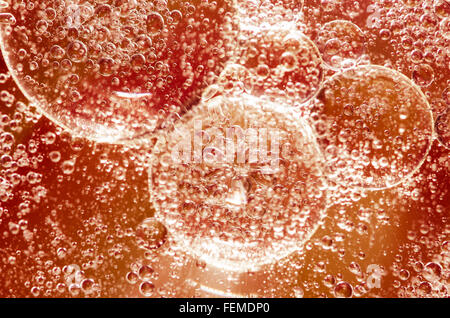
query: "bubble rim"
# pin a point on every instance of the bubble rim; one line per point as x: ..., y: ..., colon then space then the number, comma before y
x: 292, y: 28
x: 436, y: 123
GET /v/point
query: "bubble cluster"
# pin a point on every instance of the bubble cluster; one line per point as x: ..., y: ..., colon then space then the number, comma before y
x: 238, y: 214
x: 269, y: 11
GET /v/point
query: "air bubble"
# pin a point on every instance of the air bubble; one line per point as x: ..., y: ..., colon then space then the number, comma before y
x: 7, y: 18
x: 441, y: 8
x: 147, y: 289
x: 386, y: 136
x: 227, y: 207
x: 341, y: 43
x: 423, y: 75
x: 343, y: 290
x: 155, y: 23
x: 169, y: 68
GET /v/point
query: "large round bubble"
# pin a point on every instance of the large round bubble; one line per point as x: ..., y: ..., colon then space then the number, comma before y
x: 115, y: 70
x: 375, y: 126
x: 239, y: 182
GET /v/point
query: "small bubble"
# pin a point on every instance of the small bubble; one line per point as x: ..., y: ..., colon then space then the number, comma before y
x: 68, y: 166
x: 343, y: 290
x: 132, y: 277
x: 146, y: 272
x: 432, y: 272
x: 147, y: 289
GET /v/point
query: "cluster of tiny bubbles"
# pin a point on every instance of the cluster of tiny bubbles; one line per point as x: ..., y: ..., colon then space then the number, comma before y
x: 428, y: 275
x: 409, y: 149
x: 374, y: 126
x: 114, y: 71
x: 227, y: 210
x: 408, y: 37
x: 167, y: 269
x: 424, y: 49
